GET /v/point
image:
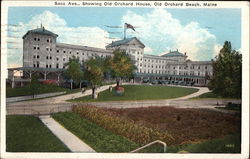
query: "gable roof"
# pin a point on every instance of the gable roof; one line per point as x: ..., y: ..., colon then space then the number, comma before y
x: 42, y: 31
x: 173, y: 53
x: 124, y: 41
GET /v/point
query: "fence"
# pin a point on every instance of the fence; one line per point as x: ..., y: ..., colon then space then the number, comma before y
x: 22, y: 98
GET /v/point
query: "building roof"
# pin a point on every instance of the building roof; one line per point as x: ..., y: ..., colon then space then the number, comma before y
x: 173, y: 53
x: 35, y: 69
x: 87, y: 48
x: 42, y: 31
x: 122, y: 42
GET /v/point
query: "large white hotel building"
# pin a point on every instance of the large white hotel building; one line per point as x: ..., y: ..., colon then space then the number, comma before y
x: 42, y: 54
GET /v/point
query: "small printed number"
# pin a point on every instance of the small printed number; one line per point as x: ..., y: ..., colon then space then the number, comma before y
x: 229, y: 145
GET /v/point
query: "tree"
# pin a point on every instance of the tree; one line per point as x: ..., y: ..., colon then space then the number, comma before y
x: 227, y: 76
x: 34, y: 86
x: 94, y: 72
x: 74, y: 71
x: 122, y: 65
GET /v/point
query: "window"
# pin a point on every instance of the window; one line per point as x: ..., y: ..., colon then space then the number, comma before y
x: 63, y: 59
x: 50, y: 49
x: 57, y: 65
x: 38, y: 39
x: 64, y: 51
x: 49, y: 66
x: 70, y: 52
x: 34, y: 56
x: 47, y: 57
x: 34, y: 65
x: 34, y: 47
x: 35, y: 39
x: 46, y: 65
x: 57, y: 50
x: 51, y: 57
x: 77, y: 52
x: 47, y: 48
x: 83, y: 53
x: 205, y: 67
x: 57, y: 58
x: 37, y: 56
x: 38, y: 48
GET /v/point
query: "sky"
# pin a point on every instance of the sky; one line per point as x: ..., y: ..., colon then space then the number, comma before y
x: 200, y: 33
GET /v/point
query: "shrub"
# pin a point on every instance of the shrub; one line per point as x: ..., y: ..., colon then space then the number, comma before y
x: 119, y: 90
x: 52, y: 82
x: 127, y: 128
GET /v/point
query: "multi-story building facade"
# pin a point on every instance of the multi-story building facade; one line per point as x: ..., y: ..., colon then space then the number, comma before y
x: 41, y: 50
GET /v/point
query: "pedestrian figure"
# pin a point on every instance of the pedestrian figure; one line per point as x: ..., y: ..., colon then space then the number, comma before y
x: 83, y: 90
x: 110, y: 88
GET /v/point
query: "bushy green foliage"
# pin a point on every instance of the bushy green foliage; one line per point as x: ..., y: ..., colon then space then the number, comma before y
x: 121, y: 65
x: 137, y: 133
x: 98, y: 138
x: 29, y: 134
x: 34, y: 86
x: 74, y: 70
x: 227, y: 75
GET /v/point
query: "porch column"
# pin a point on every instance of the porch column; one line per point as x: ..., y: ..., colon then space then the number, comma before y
x: 13, y: 82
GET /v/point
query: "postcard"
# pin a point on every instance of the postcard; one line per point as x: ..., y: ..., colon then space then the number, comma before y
x: 124, y: 79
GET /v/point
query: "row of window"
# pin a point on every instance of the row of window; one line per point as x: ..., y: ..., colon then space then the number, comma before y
x: 38, y: 39
x: 77, y: 53
x: 152, y: 60
x: 174, y: 67
x: 170, y: 72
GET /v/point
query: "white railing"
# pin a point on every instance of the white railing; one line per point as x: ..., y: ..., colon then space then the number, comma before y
x: 151, y: 143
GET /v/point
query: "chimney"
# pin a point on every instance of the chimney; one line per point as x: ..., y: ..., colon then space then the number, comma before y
x: 43, y: 28
x: 185, y: 53
x: 169, y: 50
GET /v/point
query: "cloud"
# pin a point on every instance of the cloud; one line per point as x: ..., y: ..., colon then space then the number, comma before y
x: 160, y: 31
x: 88, y: 36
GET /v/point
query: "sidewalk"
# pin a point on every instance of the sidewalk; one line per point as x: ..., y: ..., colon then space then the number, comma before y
x: 69, y: 139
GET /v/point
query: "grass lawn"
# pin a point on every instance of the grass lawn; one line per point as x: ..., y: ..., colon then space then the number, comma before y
x: 29, y: 134
x: 23, y: 91
x: 211, y: 95
x: 140, y: 92
x: 227, y: 144
x: 98, y: 138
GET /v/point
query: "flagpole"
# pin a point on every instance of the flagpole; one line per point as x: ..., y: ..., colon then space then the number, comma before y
x: 124, y: 31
